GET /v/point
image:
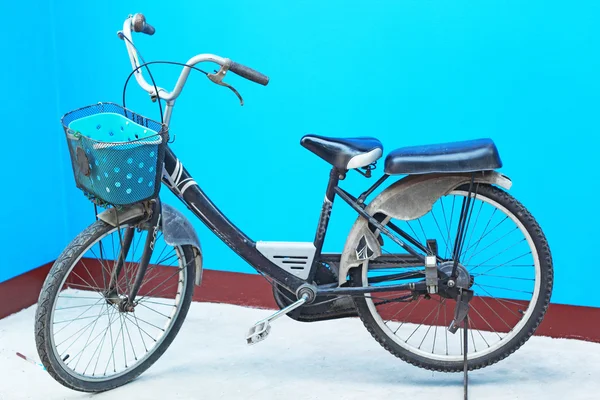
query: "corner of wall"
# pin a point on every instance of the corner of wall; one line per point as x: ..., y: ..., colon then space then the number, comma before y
x: 61, y: 148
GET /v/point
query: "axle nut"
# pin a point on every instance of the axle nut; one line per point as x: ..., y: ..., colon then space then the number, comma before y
x: 307, y: 290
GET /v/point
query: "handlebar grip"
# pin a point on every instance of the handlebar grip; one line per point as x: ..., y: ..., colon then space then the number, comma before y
x: 148, y: 29
x: 140, y: 25
x: 248, y: 73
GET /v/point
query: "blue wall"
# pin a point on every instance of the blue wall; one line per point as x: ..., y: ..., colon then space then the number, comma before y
x: 33, y: 223
x: 410, y: 72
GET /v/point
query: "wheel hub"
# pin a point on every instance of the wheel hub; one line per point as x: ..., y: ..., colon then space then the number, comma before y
x: 120, y: 301
x: 464, y: 279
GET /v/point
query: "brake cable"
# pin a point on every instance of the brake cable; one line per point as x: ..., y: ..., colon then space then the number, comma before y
x: 216, y: 77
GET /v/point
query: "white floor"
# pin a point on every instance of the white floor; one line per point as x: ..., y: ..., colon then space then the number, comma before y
x: 327, y: 360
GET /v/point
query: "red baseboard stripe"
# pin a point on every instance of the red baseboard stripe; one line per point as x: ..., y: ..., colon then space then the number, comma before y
x: 22, y: 291
x: 561, y: 321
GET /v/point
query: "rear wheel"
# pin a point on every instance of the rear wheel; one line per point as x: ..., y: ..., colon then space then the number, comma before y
x: 508, y: 262
x: 85, y: 338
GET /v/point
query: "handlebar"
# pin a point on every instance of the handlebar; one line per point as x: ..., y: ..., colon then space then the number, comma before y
x: 138, y: 23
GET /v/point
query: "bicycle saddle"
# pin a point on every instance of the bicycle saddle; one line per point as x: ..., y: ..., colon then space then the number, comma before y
x: 467, y: 156
x: 344, y: 153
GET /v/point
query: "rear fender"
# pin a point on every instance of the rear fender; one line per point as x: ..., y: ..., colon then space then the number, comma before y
x: 177, y: 229
x: 407, y: 199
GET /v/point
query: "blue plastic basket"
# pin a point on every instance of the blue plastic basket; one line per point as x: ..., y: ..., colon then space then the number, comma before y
x: 117, y: 155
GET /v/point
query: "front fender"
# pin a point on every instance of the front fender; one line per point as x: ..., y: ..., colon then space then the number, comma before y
x: 407, y: 199
x: 176, y: 228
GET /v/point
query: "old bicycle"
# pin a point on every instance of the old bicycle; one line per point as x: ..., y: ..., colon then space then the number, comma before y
x: 444, y: 237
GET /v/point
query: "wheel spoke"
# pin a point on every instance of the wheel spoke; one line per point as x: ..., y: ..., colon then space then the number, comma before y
x: 450, y: 224
x: 60, y: 330
x: 421, y: 324
x: 112, y: 347
x: 142, y: 329
x: 409, y: 314
x: 493, y: 243
x: 103, y: 266
x: 446, y: 330
x: 501, y: 288
x: 502, y: 252
x: 422, y: 230
x: 60, y: 296
x: 123, y: 341
x: 500, y: 265
x: 130, y: 340
x: 496, y: 314
x: 83, y: 305
x: 85, y: 345
x: 436, y: 325
x: 472, y: 322
x: 156, y: 302
x: 485, y: 320
x: 153, y: 310
x: 484, y: 235
x: 501, y: 301
x: 473, y: 338
x: 88, y: 272
x: 463, y: 254
x: 81, y: 331
x: 397, y: 312
x: 440, y: 231
x: 88, y: 285
x: 504, y: 277
x: 413, y: 231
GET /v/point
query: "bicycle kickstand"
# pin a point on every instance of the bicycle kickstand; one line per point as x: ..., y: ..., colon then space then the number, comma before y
x: 461, y: 314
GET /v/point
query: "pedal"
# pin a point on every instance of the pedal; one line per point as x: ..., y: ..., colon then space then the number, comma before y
x: 261, y: 329
x: 461, y: 310
x: 258, y: 332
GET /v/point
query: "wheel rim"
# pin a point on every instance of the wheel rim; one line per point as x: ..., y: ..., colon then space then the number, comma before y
x: 480, y: 342
x: 101, y: 342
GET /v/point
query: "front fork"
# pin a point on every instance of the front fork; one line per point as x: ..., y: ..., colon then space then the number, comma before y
x: 152, y: 225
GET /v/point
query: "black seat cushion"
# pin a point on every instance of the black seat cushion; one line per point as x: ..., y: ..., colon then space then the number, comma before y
x: 340, y: 151
x: 467, y: 156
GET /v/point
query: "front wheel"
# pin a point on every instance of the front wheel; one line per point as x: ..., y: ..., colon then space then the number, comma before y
x: 507, y: 262
x: 86, y: 338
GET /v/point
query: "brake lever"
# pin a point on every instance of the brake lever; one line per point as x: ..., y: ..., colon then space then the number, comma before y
x: 217, y: 78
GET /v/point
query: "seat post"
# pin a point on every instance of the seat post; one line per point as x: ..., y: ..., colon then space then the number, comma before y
x: 334, y: 178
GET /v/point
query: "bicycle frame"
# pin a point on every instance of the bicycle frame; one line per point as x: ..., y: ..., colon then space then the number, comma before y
x: 182, y: 184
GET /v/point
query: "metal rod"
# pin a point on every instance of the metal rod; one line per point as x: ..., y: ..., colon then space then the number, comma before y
x: 148, y: 250
x: 286, y: 310
x: 466, y: 365
x: 397, y: 277
x: 364, y: 195
x: 461, y: 228
x: 409, y: 238
x: 344, y: 195
x: 392, y: 259
x: 125, y: 246
x: 338, y: 291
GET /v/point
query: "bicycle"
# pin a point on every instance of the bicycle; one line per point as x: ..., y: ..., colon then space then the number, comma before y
x: 118, y: 294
